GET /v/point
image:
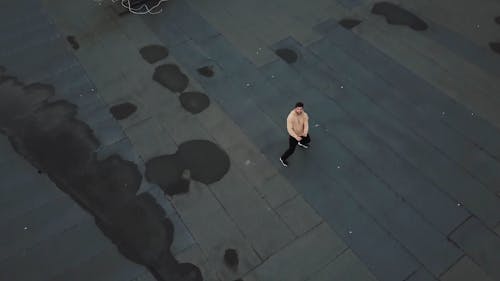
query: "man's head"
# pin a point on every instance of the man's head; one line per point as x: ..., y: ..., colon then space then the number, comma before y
x: 299, y: 108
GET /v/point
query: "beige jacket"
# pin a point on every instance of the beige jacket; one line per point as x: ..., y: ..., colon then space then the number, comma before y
x: 297, y: 125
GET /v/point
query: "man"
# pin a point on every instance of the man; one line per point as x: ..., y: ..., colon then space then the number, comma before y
x: 297, y: 125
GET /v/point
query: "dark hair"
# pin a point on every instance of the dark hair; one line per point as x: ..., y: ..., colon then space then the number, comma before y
x: 299, y: 104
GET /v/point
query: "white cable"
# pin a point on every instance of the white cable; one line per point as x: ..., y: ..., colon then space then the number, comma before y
x: 143, y: 9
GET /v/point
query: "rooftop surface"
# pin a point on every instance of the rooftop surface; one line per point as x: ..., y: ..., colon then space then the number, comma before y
x: 146, y: 147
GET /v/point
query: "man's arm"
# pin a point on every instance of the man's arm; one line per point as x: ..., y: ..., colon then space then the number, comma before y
x: 306, y: 125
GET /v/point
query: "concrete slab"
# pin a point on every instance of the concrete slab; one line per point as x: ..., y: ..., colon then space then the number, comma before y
x: 145, y: 277
x: 220, y: 50
x: 457, y: 116
x: 160, y: 198
x: 439, y: 161
x: 387, y: 196
x: 480, y: 244
x: 65, y: 253
x: 223, y: 106
x: 195, y: 255
x: 172, y: 35
x: 393, y: 215
x: 182, y: 237
x: 465, y: 269
x: 483, y: 102
x: 409, y: 189
x: 216, y: 234
x: 31, y: 228
x: 320, y: 246
x: 359, y: 230
x: 106, y: 265
x: 299, y: 215
x: 258, y: 222
x: 422, y: 275
x: 277, y: 190
x: 122, y: 148
x: 17, y: 195
x: 140, y: 113
x: 22, y: 198
x: 72, y: 84
x: 476, y: 52
x: 24, y: 32
x: 347, y: 266
x: 178, y: 132
x: 455, y: 145
x: 189, y: 21
x: 150, y: 139
x: 37, y: 67
x: 107, y: 131
x: 467, y: 35
x: 253, y: 165
x: 191, y: 56
x: 405, y: 171
x: 252, y: 45
x: 455, y: 64
x: 260, y: 127
x: 13, y: 21
x: 224, y: 131
x: 316, y: 74
x: 372, y: 223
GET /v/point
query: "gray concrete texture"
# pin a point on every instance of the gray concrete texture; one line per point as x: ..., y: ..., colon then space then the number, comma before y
x: 401, y: 181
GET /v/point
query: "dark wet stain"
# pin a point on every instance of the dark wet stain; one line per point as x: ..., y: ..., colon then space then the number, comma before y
x: 399, y: 16
x: 231, y: 258
x: 72, y: 40
x: 495, y: 47
x: 497, y: 20
x: 290, y: 56
x: 123, y: 110
x: 199, y: 160
x: 171, y: 77
x: 47, y: 134
x: 153, y: 53
x: 207, y: 71
x: 349, y: 23
x: 194, y: 102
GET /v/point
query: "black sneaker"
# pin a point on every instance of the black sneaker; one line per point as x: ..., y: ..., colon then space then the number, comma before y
x: 284, y: 162
x: 303, y: 145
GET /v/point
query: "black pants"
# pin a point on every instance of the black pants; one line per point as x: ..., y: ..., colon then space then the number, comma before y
x: 292, y: 143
